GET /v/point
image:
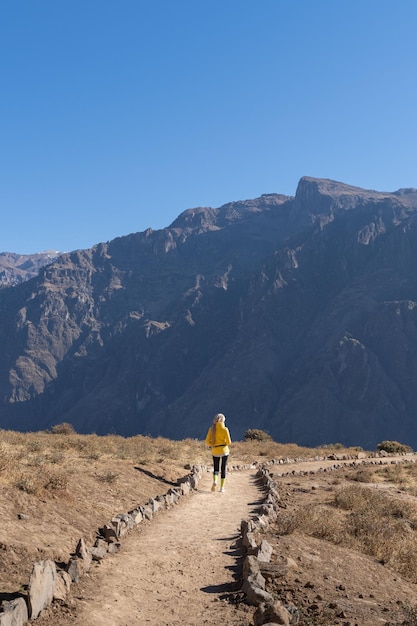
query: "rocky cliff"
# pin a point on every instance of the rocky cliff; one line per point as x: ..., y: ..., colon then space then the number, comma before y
x: 297, y: 315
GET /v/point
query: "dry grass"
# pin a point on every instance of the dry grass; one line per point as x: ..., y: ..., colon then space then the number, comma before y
x: 370, y: 521
x: 30, y: 460
x: 382, y: 526
x: 363, y: 475
x: 34, y: 462
x: 402, y: 476
x: 248, y: 451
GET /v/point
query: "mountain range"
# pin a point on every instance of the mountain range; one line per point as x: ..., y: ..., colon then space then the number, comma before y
x: 294, y: 315
x: 17, y: 268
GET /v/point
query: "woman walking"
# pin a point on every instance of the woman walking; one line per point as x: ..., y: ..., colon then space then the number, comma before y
x: 218, y: 439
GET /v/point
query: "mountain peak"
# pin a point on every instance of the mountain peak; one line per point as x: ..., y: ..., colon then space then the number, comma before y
x: 319, y: 199
x: 310, y: 187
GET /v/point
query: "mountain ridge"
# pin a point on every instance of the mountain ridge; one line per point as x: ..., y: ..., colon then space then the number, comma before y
x: 275, y: 310
x: 17, y: 268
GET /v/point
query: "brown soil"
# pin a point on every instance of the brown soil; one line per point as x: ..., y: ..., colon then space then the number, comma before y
x: 48, y: 525
x: 184, y: 566
x: 330, y: 584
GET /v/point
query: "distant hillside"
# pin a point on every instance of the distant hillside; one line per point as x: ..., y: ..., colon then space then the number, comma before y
x: 17, y: 268
x: 296, y: 315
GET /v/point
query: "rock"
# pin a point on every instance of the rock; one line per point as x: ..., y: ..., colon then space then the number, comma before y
x: 97, y: 553
x: 274, y: 613
x: 137, y: 516
x: 126, y: 523
x: 14, y: 612
x: 75, y: 568
x: 251, y: 565
x: 249, y: 542
x: 115, y: 523
x: 101, y: 543
x: 246, y: 526
x: 254, y: 589
x: 175, y: 493
x: 264, y: 552
x: 291, y: 563
x: 162, y: 502
x: 261, y: 522
x: 154, y: 504
x: 62, y: 586
x: 273, y: 570
x: 41, y: 587
x: 167, y: 501
x: 84, y: 554
x: 147, y: 512
x: 113, y: 547
x: 109, y: 533
x: 185, y: 488
x: 194, y: 480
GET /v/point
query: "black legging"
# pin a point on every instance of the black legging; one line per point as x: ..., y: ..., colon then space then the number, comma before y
x: 216, y: 464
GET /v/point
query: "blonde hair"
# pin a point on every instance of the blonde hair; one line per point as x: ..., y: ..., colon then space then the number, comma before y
x: 218, y: 419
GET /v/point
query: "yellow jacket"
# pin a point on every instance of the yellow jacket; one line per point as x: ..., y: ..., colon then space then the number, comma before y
x: 222, y: 441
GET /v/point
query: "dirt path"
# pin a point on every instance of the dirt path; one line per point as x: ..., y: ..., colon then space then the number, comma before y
x: 179, y: 569
x: 183, y: 567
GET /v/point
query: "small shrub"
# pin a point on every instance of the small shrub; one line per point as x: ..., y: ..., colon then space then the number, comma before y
x: 363, y: 475
x: 410, y: 614
x: 398, y: 475
x: 393, y: 447
x: 28, y: 484
x: 63, y: 429
x: 36, y: 460
x: 286, y: 523
x: 319, y: 522
x: 355, y: 498
x: 333, y: 446
x: 257, y: 435
x: 94, y: 455
x: 167, y: 450
x: 34, y: 446
x: 78, y: 443
x: 57, y: 457
x: 108, y: 477
x: 56, y: 482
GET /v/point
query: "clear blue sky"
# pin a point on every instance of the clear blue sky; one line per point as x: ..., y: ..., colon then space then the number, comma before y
x: 117, y: 115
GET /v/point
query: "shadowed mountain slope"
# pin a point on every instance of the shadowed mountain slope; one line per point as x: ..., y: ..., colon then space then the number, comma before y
x: 294, y: 315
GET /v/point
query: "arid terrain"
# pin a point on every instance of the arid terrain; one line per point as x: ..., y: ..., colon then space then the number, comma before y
x: 328, y: 566
x: 326, y: 576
